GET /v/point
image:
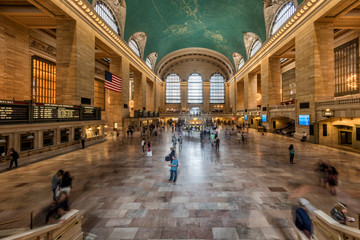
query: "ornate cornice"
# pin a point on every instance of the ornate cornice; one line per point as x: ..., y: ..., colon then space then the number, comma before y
x: 43, y: 47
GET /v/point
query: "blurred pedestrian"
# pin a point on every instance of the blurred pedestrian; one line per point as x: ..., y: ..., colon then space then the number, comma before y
x: 55, y: 181
x: 291, y: 153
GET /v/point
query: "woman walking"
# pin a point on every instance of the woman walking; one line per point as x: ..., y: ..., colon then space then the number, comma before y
x: 292, y: 153
x: 149, y: 149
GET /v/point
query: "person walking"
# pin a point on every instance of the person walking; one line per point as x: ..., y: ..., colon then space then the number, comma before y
x: 180, y: 140
x: 174, y: 140
x: 292, y: 153
x: 66, y: 183
x: 173, y: 169
x: 83, y: 139
x: 217, y: 144
x: 143, y: 145
x: 55, y: 181
x: 149, y: 149
x: 14, y: 157
x: 332, y: 179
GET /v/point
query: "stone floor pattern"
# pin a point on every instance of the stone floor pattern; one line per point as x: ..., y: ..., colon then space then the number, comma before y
x: 244, y: 191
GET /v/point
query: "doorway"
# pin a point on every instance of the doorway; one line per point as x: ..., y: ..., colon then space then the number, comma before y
x: 345, y: 138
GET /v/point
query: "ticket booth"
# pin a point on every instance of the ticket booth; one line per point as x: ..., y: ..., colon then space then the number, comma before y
x: 26, y: 141
x: 64, y: 135
x: 48, y: 138
x: 4, y: 141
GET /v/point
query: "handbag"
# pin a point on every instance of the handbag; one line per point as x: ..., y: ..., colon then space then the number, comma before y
x: 167, y: 159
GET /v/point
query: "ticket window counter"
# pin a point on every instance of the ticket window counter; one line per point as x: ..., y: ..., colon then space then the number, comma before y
x: 93, y: 131
x: 77, y: 133
x: 64, y: 135
x: 26, y: 141
x: 4, y: 141
x: 48, y: 138
x: 345, y: 137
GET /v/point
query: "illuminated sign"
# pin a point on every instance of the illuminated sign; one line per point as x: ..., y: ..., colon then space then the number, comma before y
x: 304, y: 120
x: 263, y: 118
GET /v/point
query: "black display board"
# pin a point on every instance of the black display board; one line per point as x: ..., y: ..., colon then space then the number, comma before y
x: 11, y: 111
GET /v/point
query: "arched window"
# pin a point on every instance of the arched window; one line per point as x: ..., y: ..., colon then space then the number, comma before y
x: 149, y: 63
x: 282, y: 16
x: 135, y: 47
x: 241, y: 63
x: 172, y: 89
x: 195, y: 88
x: 255, y: 47
x: 217, y: 88
x: 106, y: 14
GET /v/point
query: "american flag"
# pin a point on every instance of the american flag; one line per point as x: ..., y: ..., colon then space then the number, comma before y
x: 112, y: 82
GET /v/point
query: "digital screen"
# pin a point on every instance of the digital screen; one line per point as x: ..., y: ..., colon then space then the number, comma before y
x: 245, y: 117
x: 55, y: 112
x: 263, y: 118
x: 89, y: 113
x: 304, y: 120
x: 13, y: 112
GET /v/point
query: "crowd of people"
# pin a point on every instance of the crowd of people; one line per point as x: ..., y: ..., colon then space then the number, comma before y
x: 61, y: 184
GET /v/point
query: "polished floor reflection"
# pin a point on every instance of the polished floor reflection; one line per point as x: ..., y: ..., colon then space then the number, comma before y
x: 244, y: 191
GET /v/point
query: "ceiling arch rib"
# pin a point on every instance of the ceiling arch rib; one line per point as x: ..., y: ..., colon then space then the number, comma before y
x: 170, y: 61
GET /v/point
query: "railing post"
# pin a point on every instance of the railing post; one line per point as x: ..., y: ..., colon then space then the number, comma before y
x: 31, y: 220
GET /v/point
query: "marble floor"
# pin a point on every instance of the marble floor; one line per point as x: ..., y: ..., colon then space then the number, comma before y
x: 244, y: 191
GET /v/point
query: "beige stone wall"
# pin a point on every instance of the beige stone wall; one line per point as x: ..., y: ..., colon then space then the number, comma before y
x: 15, y: 59
x: 75, y: 62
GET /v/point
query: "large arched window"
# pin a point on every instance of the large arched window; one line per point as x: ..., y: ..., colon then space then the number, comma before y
x: 135, y: 47
x: 255, y: 47
x: 105, y: 13
x: 149, y: 63
x: 217, y: 88
x: 172, y: 89
x: 195, y: 88
x: 241, y: 63
x: 282, y: 16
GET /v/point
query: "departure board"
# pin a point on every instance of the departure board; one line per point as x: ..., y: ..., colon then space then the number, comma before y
x: 13, y: 113
x: 52, y: 111
x: 89, y: 113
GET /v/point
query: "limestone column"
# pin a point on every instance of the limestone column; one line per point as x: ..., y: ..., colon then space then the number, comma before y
x: 227, y: 99
x: 251, y: 91
x: 150, y: 95
x: 143, y: 90
x: 114, y: 99
x: 75, y: 62
x: 125, y: 89
x: 240, y: 95
x: 206, y: 97
x: 270, y: 81
x: 138, y: 97
x: 184, y: 95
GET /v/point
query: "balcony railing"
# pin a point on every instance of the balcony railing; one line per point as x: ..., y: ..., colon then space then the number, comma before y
x: 282, y: 107
x: 349, y: 101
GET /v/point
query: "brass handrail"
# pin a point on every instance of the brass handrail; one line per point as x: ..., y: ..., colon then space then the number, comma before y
x: 327, y: 231
x: 21, y: 218
x: 68, y: 228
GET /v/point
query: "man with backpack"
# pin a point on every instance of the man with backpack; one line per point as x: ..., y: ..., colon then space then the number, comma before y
x: 14, y: 157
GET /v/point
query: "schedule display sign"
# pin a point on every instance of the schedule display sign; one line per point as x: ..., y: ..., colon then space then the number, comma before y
x: 51, y: 111
x: 13, y: 111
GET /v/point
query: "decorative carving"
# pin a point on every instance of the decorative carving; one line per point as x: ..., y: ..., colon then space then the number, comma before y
x: 43, y: 47
x: 140, y: 39
x: 237, y: 57
x: 153, y: 57
x: 249, y: 39
x: 271, y: 7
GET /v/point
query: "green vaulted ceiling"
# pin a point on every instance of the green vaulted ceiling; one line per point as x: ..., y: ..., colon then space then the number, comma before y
x: 175, y: 24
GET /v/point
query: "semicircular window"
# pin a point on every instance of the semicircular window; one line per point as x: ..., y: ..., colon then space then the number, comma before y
x: 241, y: 63
x: 282, y: 16
x: 195, y: 88
x: 135, y: 47
x: 106, y: 14
x: 149, y: 63
x: 172, y: 89
x: 217, y: 88
x: 255, y: 47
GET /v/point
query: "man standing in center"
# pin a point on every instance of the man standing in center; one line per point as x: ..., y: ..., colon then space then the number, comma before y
x: 173, y: 169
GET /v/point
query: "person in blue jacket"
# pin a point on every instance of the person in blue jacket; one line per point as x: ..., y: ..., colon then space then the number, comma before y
x: 173, y: 169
